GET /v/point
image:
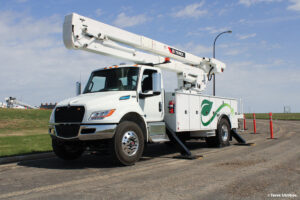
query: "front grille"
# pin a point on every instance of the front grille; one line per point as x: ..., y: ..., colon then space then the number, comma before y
x: 67, y: 131
x: 69, y: 114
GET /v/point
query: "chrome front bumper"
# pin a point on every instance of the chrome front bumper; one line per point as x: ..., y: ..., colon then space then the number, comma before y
x: 99, y: 131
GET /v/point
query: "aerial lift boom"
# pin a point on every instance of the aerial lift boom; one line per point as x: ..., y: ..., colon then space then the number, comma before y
x: 87, y: 34
x: 11, y: 101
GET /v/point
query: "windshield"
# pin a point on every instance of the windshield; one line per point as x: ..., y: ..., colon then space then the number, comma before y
x: 116, y: 79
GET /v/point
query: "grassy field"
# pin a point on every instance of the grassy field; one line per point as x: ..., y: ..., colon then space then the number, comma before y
x: 276, y: 116
x: 16, y: 145
x: 24, y: 131
x: 23, y: 122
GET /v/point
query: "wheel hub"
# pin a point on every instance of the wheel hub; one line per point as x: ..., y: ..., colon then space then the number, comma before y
x: 225, y: 133
x: 130, y: 143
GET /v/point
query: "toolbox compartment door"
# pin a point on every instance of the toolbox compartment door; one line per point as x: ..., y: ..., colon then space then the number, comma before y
x: 194, y: 108
x: 182, y: 112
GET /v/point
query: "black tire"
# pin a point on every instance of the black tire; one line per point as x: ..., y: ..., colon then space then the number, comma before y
x: 222, y: 135
x: 128, y: 143
x: 67, y: 150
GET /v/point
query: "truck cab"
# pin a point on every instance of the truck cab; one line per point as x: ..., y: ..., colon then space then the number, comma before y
x: 115, y: 94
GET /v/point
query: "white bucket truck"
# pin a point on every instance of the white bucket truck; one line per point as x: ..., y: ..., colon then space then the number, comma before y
x: 124, y: 107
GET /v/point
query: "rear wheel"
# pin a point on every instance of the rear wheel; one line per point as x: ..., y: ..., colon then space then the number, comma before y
x: 222, y: 135
x: 128, y: 143
x: 67, y: 150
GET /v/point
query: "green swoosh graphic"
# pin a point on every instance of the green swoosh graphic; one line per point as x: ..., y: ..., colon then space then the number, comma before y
x: 215, y: 114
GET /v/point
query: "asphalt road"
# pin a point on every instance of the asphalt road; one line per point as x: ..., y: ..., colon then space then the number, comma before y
x: 268, y: 169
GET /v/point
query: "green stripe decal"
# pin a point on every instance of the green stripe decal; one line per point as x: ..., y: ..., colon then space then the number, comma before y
x: 215, y: 114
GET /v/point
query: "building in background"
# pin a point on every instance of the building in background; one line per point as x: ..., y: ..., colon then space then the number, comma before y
x: 47, y: 106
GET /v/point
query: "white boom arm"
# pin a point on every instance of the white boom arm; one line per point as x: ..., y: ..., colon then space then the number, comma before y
x: 10, y: 101
x: 87, y: 34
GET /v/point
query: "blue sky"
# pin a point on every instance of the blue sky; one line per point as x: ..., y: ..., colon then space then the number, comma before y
x: 262, y: 54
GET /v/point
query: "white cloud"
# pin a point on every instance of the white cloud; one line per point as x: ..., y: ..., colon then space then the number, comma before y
x: 98, y: 12
x: 214, y: 30
x: 196, y: 49
x: 222, y: 11
x: 233, y: 52
x: 35, y: 65
x: 15, y: 26
x: 193, y: 10
x: 269, y: 46
x: 263, y: 87
x: 295, y: 5
x: 243, y: 37
x: 123, y: 20
x: 252, y: 2
x: 209, y: 29
x: 270, y: 65
x: 270, y: 20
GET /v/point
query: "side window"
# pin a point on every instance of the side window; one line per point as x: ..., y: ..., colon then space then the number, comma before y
x: 147, y: 80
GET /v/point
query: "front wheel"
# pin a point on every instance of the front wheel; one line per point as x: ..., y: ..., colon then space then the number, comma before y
x: 222, y: 135
x: 128, y: 143
x: 67, y: 150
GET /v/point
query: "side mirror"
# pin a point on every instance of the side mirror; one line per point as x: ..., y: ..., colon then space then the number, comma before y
x: 78, y: 88
x: 146, y: 94
x: 156, y: 83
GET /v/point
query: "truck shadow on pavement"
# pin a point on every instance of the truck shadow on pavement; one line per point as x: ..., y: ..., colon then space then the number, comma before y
x: 152, y: 151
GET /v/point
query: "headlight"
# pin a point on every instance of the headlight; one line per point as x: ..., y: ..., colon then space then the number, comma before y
x: 101, y: 114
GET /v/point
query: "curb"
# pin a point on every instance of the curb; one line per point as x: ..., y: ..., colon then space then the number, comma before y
x: 36, y: 156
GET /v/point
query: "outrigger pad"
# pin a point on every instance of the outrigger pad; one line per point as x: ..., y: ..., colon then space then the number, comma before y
x: 245, y: 144
x: 188, y: 157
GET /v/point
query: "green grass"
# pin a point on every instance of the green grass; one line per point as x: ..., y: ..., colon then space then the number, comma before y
x: 24, y: 131
x: 276, y: 116
x: 23, y: 122
x: 16, y: 145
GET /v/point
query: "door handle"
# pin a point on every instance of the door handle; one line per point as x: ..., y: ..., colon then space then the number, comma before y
x: 159, y: 106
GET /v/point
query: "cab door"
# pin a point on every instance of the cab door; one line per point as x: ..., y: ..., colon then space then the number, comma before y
x: 149, y: 101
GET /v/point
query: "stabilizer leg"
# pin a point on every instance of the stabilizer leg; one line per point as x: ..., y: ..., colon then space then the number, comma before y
x: 184, y: 151
x: 239, y: 138
x: 236, y: 136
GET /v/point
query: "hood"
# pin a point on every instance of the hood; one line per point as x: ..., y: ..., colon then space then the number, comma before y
x: 98, y: 99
